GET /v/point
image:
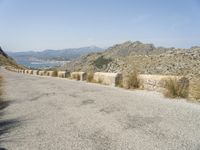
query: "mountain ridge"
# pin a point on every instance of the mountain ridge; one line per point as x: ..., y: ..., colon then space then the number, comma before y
x: 146, y: 58
x: 50, y: 54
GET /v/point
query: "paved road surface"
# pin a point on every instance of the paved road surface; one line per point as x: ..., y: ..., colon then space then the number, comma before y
x: 61, y: 114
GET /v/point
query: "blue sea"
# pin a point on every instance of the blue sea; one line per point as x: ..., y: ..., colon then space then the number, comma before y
x: 41, y: 64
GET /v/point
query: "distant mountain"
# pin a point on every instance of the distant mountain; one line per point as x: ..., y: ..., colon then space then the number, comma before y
x: 65, y: 54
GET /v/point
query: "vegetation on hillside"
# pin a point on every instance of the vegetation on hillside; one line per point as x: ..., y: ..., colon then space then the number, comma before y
x: 7, y: 61
x: 101, y: 62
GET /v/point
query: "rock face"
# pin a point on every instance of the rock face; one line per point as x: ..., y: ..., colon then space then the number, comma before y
x: 146, y: 58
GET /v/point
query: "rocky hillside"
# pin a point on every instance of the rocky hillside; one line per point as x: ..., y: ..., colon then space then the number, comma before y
x: 5, y: 60
x: 146, y: 58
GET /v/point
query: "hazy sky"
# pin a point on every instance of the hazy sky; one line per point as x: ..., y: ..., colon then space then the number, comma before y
x: 56, y: 24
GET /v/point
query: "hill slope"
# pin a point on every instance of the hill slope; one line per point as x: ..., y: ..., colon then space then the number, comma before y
x: 5, y: 60
x: 144, y: 57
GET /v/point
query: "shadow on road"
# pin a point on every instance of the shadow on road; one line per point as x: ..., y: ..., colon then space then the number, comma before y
x: 6, y: 125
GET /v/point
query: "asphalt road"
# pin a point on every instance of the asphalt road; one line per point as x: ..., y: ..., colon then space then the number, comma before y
x: 60, y: 114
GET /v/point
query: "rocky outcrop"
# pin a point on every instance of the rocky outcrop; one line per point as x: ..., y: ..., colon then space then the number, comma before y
x: 3, y: 53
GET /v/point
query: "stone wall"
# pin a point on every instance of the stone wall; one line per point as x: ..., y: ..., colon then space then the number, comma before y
x: 63, y: 74
x: 79, y: 76
x: 41, y: 73
x: 49, y: 73
x: 108, y: 78
x: 30, y: 71
x: 35, y: 72
x: 156, y: 82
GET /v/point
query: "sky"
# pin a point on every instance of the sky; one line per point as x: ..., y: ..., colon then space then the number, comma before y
x: 57, y: 24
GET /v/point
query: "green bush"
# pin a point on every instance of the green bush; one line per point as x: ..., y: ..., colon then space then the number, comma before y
x: 101, y: 61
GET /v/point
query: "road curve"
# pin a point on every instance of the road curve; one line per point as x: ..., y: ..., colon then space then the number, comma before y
x: 61, y: 114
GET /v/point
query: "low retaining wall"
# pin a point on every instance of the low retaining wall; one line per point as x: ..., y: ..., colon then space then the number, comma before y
x: 51, y: 73
x: 63, y: 74
x: 35, y: 72
x: 108, y: 78
x: 30, y: 71
x: 156, y: 82
x: 41, y: 73
x: 26, y: 71
x: 79, y: 76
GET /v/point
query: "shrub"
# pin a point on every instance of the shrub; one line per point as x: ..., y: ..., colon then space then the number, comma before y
x: 100, y: 81
x: 176, y: 88
x: 90, y: 76
x: 195, y: 89
x: 131, y: 81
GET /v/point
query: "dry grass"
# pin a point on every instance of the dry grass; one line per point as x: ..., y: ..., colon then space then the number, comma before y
x: 195, y: 90
x: 100, y: 81
x: 130, y: 81
x: 175, y: 88
x: 90, y: 76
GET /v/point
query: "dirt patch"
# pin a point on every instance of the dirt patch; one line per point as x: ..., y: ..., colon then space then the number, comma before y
x: 87, y: 102
x: 138, y: 121
x: 40, y: 96
x: 110, y: 109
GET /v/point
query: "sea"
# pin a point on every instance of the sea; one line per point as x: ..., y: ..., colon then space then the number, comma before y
x: 41, y: 64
